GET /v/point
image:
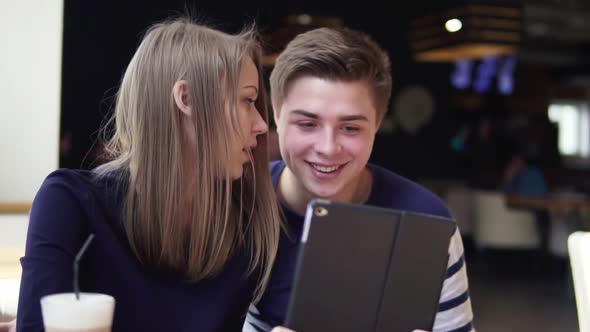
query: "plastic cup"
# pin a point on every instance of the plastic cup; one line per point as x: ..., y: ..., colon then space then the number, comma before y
x: 93, y: 312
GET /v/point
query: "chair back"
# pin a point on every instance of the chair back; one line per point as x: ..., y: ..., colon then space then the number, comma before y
x: 497, y: 226
x: 579, y: 249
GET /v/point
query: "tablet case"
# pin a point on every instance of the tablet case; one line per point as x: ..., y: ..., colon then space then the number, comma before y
x: 364, y: 268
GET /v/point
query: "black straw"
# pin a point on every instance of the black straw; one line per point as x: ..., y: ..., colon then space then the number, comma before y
x: 76, y: 263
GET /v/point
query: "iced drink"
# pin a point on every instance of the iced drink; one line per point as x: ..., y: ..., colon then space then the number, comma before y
x: 92, y: 312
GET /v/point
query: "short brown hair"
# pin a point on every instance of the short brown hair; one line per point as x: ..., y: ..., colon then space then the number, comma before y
x: 338, y: 54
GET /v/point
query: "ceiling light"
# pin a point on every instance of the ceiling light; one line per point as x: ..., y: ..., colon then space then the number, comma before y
x: 478, y: 31
x: 453, y: 25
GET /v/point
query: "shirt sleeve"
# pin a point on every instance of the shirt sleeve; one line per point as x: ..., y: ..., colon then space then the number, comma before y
x: 54, y: 236
x: 454, y: 311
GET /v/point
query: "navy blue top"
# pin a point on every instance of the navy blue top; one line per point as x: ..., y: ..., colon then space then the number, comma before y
x: 69, y: 206
x: 388, y: 190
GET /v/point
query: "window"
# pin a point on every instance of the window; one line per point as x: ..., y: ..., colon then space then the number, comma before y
x: 573, y: 122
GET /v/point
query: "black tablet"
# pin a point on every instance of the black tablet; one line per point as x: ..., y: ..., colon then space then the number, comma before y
x: 365, y: 268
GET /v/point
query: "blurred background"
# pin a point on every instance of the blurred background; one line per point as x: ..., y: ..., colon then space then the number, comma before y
x: 490, y: 109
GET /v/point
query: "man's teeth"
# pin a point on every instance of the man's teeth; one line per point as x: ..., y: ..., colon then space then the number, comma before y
x: 325, y: 169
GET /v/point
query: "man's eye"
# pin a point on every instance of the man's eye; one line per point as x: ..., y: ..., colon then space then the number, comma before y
x: 350, y: 129
x: 306, y: 125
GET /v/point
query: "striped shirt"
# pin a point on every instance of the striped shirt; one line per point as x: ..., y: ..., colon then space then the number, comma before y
x: 391, y: 191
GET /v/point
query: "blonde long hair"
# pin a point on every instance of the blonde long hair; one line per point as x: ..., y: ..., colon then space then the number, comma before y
x: 196, y: 238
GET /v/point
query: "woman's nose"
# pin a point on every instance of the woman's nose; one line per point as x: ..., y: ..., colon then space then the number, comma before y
x: 259, y: 126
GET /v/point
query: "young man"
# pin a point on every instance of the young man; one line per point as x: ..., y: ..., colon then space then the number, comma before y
x: 330, y: 89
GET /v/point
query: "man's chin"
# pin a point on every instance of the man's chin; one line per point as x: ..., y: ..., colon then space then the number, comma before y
x: 318, y: 192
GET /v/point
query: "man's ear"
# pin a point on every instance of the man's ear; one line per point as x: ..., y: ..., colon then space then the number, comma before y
x: 180, y: 92
x: 275, y: 115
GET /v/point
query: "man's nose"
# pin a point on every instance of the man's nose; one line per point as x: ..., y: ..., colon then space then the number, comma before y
x: 328, y: 144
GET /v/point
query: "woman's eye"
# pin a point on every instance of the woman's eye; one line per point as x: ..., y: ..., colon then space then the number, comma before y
x: 250, y: 101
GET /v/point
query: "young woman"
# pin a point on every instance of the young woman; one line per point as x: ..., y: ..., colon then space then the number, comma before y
x: 184, y: 215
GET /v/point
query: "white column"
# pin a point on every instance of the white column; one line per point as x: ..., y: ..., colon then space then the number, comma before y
x: 30, y: 88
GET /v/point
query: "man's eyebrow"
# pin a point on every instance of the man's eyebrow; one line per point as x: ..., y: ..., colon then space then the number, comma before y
x: 305, y: 113
x: 342, y: 118
x: 353, y: 118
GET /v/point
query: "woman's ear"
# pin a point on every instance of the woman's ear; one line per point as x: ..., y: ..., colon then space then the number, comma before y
x: 181, y: 97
